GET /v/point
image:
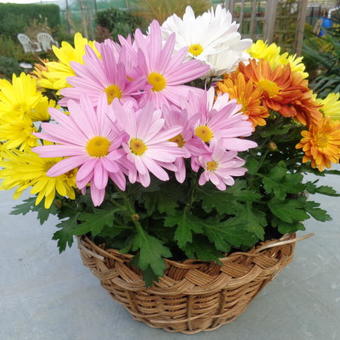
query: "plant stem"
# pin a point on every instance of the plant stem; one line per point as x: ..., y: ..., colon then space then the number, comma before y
x: 133, y: 213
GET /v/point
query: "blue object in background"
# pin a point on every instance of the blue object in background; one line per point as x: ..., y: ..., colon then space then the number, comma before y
x: 325, y: 23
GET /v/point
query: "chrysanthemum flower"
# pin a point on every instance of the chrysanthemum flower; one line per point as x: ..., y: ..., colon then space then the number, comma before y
x: 330, y: 106
x: 2, y: 150
x: 147, y: 144
x: 22, y: 98
x: 283, y: 91
x: 21, y: 170
x: 17, y: 133
x: 102, y: 77
x: 89, y: 141
x: 321, y: 144
x: 272, y: 54
x: 247, y: 95
x: 186, y: 140
x: 164, y: 70
x: 59, y: 71
x: 220, y: 121
x: 211, y: 37
x: 219, y: 167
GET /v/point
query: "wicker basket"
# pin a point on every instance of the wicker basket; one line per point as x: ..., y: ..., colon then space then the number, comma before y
x: 192, y: 296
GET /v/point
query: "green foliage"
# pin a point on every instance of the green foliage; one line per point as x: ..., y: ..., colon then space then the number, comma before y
x: 8, y: 66
x: 117, y: 22
x: 180, y: 221
x: 323, y: 54
x: 151, y: 250
x: 162, y: 9
x: 15, y: 17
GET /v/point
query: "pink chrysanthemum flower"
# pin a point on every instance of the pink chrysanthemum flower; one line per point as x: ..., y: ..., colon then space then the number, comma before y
x: 147, y: 144
x: 220, y: 121
x: 186, y: 141
x: 165, y: 70
x: 102, y: 77
x: 128, y: 50
x: 89, y: 141
x: 220, y: 166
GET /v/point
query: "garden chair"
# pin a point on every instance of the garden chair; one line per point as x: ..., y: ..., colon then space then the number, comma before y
x: 46, y: 41
x: 28, y: 45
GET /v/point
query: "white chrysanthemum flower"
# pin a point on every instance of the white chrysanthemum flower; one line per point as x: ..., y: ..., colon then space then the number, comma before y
x: 211, y: 37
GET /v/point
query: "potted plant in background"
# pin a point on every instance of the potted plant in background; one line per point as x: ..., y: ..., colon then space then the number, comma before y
x: 177, y: 158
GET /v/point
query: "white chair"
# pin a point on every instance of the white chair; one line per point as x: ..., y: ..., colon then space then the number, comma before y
x: 28, y: 45
x: 46, y: 41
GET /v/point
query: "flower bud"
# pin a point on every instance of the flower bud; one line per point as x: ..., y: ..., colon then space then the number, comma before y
x: 272, y: 146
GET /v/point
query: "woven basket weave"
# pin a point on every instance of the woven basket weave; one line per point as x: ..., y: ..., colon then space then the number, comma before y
x: 192, y: 296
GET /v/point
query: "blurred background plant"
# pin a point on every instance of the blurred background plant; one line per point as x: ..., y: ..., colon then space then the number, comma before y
x: 322, y: 58
x: 111, y: 22
x: 161, y: 9
x: 8, y: 66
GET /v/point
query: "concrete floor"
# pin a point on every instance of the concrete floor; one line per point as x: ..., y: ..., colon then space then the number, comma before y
x: 47, y: 296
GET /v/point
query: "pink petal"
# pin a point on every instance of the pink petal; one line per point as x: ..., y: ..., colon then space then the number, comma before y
x: 97, y: 195
x: 66, y: 165
x: 100, y: 178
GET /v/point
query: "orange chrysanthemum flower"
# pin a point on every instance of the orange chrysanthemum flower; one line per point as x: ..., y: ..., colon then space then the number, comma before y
x: 284, y: 91
x: 247, y: 95
x: 321, y: 144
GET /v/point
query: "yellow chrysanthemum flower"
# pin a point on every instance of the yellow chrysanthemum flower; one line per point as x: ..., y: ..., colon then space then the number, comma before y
x: 330, y: 106
x: 21, y: 98
x: 58, y: 72
x: 2, y: 150
x: 272, y: 53
x: 26, y: 169
x: 17, y: 133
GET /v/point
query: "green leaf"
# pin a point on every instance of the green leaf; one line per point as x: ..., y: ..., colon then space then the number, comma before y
x: 332, y: 172
x: 275, y: 130
x: 151, y: 252
x: 289, y: 211
x: 25, y: 207
x: 228, y: 201
x: 187, y: 224
x: 149, y: 276
x: 95, y: 222
x: 44, y: 214
x: 252, y: 165
x: 64, y: 236
x: 255, y: 221
x: 28, y: 205
x: 230, y: 233
x: 316, y: 212
x: 280, y: 182
x: 203, y: 250
x: 323, y: 189
x: 156, y: 200
x: 287, y: 228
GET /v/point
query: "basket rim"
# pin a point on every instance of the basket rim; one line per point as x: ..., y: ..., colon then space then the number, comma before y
x: 121, y: 257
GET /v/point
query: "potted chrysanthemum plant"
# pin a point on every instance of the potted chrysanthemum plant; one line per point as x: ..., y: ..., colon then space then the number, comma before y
x: 177, y: 158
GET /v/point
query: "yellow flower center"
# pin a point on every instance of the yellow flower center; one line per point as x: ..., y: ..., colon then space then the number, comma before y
x: 195, y: 49
x: 179, y: 139
x: 321, y: 141
x: 112, y: 92
x: 137, y: 146
x: 204, y: 132
x: 98, y: 146
x: 269, y: 87
x: 212, y: 165
x: 157, y: 81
